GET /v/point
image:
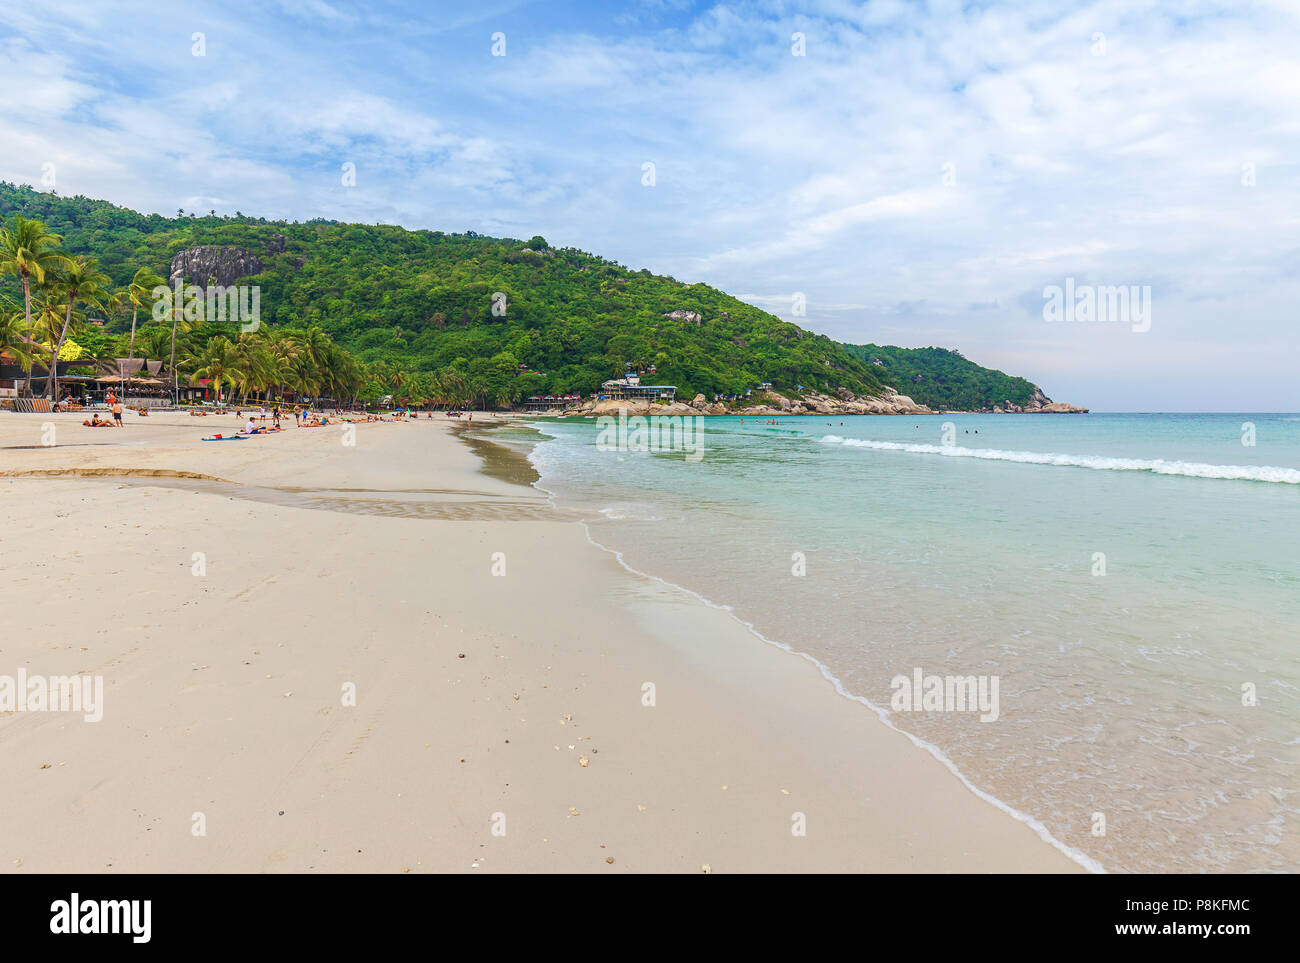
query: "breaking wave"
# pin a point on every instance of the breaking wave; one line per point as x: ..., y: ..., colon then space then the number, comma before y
x: 1158, y: 466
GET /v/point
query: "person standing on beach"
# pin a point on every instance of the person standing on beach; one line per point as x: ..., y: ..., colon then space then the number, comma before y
x: 117, y: 413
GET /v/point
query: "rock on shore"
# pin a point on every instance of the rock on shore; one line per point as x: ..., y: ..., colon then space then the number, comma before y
x: 844, y: 402
x: 771, y: 403
x: 1039, y: 403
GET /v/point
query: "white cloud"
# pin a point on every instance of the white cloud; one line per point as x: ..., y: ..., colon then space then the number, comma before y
x: 819, y: 174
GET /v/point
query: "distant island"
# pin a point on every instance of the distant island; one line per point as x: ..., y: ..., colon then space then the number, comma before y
x: 430, y: 317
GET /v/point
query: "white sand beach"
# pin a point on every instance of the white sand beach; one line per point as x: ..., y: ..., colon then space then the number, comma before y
x: 478, y: 696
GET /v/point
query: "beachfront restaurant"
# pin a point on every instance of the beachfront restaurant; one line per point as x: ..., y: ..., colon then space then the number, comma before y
x: 18, y: 384
x: 546, y: 402
x: 137, y: 382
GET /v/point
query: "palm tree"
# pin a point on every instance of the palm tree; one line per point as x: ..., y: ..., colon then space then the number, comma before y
x: 113, y: 305
x: 396, y: 380
x: 14, y: 340
x: 216, y: 360
x: 27, y: 250
x: 80, y: 280
x: 47, y: 318
x: 153, y: 341
x: 255, y: 364
x: 281, y: 351
x: 314, y: 347
x: 451, y: 386
x: 350, y: 374
x: 140, y: 293
x: 183, y: 325
x: 176, y: 317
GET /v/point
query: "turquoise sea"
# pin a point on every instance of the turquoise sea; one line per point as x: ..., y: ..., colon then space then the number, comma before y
x: 1132, y: 581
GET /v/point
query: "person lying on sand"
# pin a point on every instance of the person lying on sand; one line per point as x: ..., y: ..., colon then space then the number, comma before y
x: 94, y: 422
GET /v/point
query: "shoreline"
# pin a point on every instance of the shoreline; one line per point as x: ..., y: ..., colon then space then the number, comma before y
x: 740, y: 738
x: 1075, y: 855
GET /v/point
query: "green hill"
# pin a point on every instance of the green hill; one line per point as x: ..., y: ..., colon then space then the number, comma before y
x: 941, y: 378
x: 423, y: 299
x: 421, y: 302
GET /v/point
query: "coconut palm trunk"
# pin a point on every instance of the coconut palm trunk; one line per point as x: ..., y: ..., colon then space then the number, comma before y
x: 82, y: 281
x: 175, y: 320
x: 27, y: 299
x: 52, y: 377
x: 28, y: 249
x: 27, y: 310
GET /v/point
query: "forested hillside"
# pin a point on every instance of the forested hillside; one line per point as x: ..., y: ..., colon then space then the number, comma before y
x: 504, y: 318
x: 424, y: 300
x: 941, y: 378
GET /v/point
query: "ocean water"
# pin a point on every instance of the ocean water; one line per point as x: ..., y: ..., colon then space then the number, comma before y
x: 1132, y: 582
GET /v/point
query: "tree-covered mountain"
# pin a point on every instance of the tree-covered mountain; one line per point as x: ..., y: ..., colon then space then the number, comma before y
x: 942, y: 378
x: 506, y: 318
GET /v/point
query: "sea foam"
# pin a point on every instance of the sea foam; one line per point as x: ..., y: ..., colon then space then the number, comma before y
x: 1158, y: 466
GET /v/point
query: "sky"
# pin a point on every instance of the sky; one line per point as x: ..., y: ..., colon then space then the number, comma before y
x: 892, y: 172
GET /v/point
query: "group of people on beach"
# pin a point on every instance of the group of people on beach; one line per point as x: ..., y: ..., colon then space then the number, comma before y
x: 304, y: 418
x: 114, y: 406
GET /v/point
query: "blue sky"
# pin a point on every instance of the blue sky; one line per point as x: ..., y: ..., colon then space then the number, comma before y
x: 920, y: 174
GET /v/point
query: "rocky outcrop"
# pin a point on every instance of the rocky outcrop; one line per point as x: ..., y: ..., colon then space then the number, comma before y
x: 691, y: 317
x: 843, y: 402
x: 1040, y: 403
x: 223, y: 265
x: 888, y: 403
x: 206, y: 264
x: 768, y: 403
x: 813, y: 403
